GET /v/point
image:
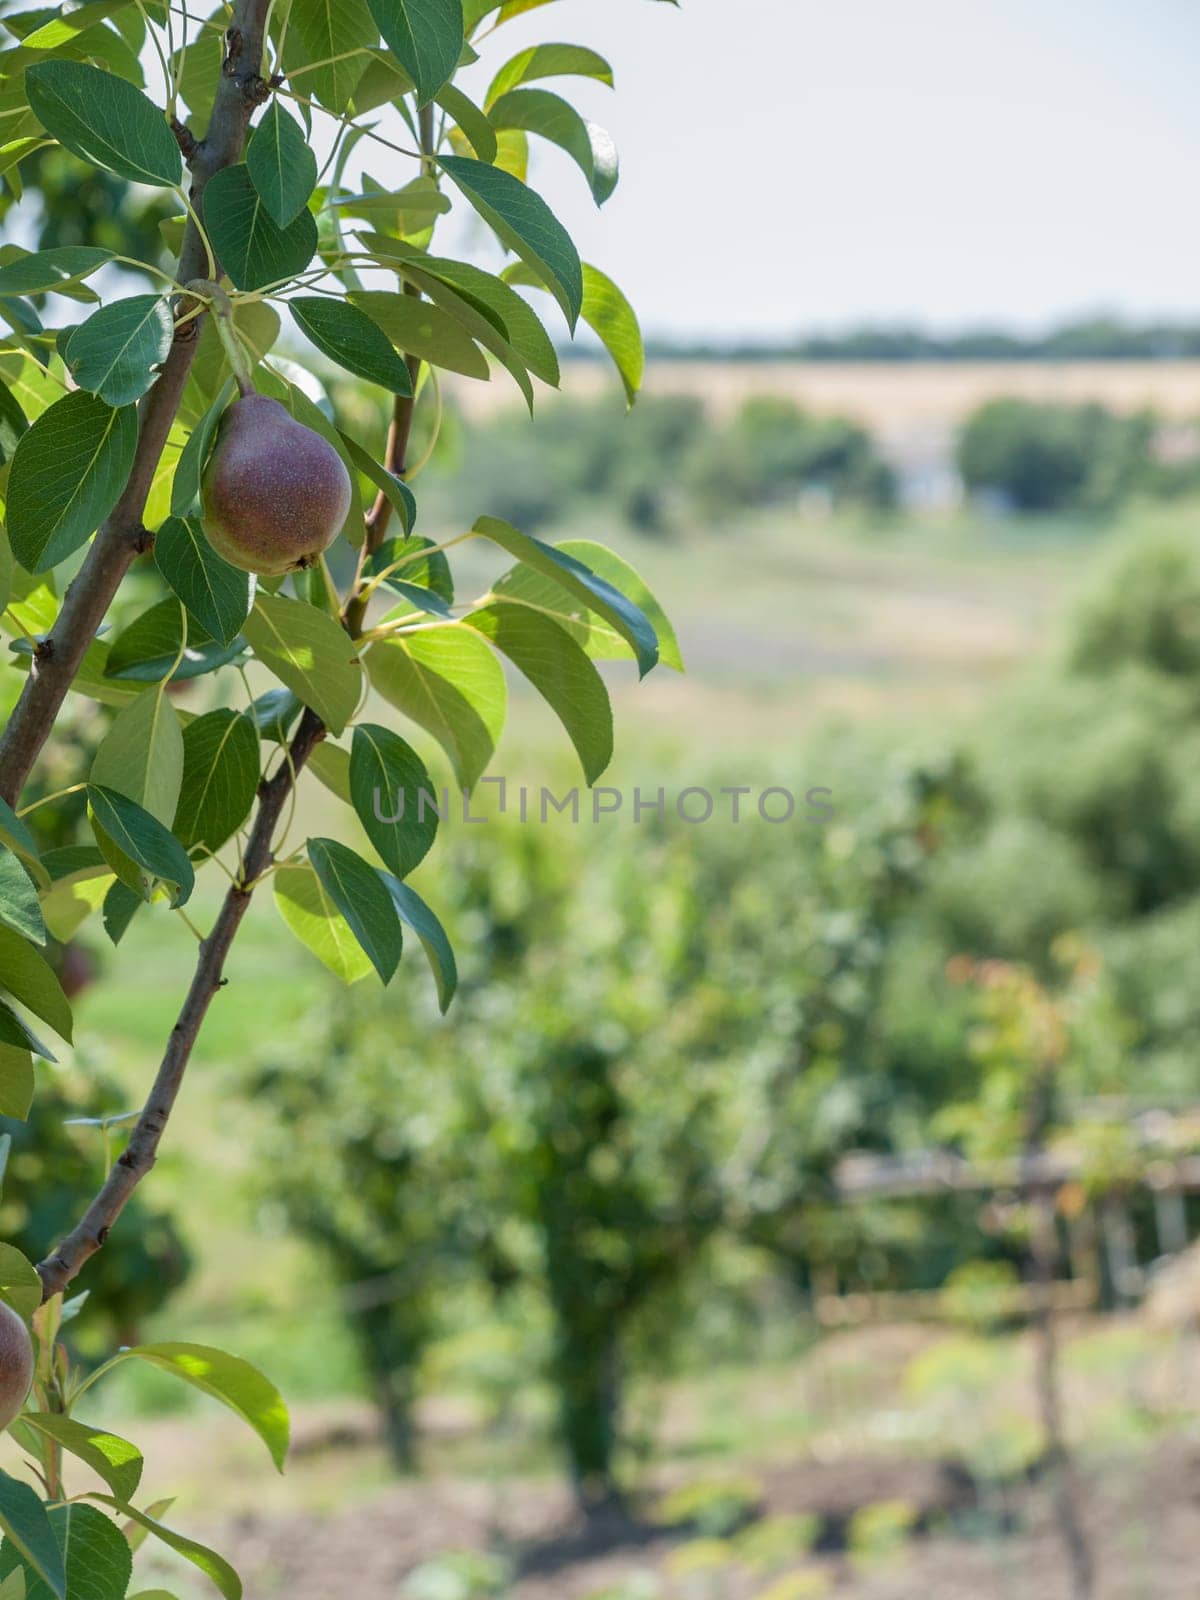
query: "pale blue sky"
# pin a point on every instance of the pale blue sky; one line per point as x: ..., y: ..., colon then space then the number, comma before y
x: 802, y: 164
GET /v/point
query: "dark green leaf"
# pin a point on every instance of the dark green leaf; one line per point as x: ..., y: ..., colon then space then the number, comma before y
x: 422, y: 564
x: 275, y: 714
x: 120, y: 907
x: 328, y: 31
x: 403, y: 500
x: 559, y: 671
x: 13, y: 423
x: 422, y: 330
x: 253, y: 248
x: 29, y: 1535
x: 449, y: 682
x: 413, y: 910
x: 597, y: 637
x: 16, y: 835
x: 348, y: 336
x: 425, y: 36
x: 359, y: 894
x: 217, y: 595
x: 611, y: 318
x: 309, y: 653
x: 19, y: 909
x: 51, y: 269
x: 104, y: 120
x: 97, y: 1559
x: 523, y: 221
x: 551, y: 117
x: 148, y: 648
x: 220, y: 777
x: 386, y: 779
x: 114, y: 353
x: 282, y: 166
x: 16, y: 1033
x: 66, y: 475
x: 142, y: 838
x: 595, y: 592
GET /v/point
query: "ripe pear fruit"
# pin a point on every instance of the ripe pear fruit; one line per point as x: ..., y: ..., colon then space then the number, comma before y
x: 275, y: 493
x: 16, y: 1364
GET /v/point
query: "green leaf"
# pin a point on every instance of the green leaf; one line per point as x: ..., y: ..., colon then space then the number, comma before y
x: 29, y: 1534
x: 185, y: 486
x: 523, y: 221
x: 46, y: 270
x: 471, y: 121
x: 16, y: 1032
x: 413, y: 910
x: 422, y: 330
x: 330, y: 765
x: 67, y: 473
x: 110, y: 1457
x: 20, y: 1285
x: 596, y: 593
x: 309, y: 653
x: 16, y: 835
x: 141, y: 756
x: 220, y: 778
x: 217, y: 595
x: 114, y: 353
x: 148, y: 649
x: 281, y: 164
x: 551, y: 117
x: 611, y: 318
x: 403, y: 500
x: 348, y: 336
x: 16, y: 1081
x: 275, y: 714
x: 548, y: 61
x: 559, y: 671
x: 449, y: 682
x: 312, y: 916
x: 425, y: 36
x: 208, y: 1561
x: 142, y: 838
x: 121, y: 905
x: 63, y: 29
x: 104, y: 120
x: 13, y: 423
x: 253, y: 248
x: 19, y: 909
x: 229, y: 1379
x: 357, y: 892
x: 588, y: 628
x: 512, y: 316
x: 30, y: 979
x: 386, y: 778
x: 322, y: 31
x: 424, y: 565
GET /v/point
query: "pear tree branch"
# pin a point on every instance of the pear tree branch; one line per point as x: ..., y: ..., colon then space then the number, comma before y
x: 122, y: 536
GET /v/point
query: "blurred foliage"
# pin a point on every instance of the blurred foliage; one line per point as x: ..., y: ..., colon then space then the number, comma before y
x: 668, y: 464
x: 1039, y: 456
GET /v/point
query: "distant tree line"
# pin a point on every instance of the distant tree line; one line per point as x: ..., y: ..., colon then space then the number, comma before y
x: 1091, y: 339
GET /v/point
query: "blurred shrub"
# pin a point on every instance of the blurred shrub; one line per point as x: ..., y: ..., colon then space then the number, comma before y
x: 1143, y: 612
x: 458, y: 1575
x: 715, y: 1508
x: 774, y: 1542
x: 1040, y: 456
x: 667, y: 462
x: 878, y: 1532
x: 979, y: 1294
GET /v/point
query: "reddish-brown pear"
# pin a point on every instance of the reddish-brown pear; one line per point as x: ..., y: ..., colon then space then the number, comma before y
x: 275, y: 493
x: 16, y: 1364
